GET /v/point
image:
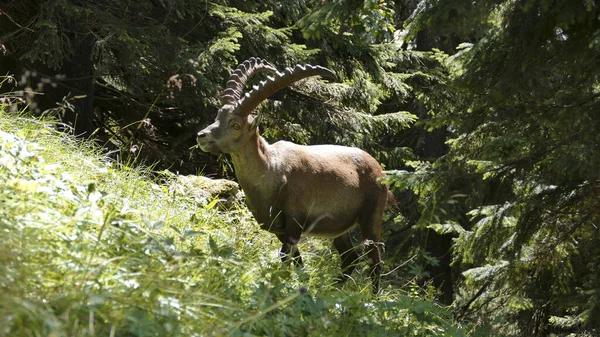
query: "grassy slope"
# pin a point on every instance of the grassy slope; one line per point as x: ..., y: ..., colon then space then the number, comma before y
x: 91, y: 248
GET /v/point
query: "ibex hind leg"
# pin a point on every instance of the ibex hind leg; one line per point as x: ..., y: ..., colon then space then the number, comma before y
x: 348, y: 255
x: 370, y: 228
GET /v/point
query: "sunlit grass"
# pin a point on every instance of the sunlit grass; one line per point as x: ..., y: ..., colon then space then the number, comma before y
x: 92, y: 247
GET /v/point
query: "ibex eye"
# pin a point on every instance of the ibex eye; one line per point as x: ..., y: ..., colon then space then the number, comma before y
x: 235, y: 126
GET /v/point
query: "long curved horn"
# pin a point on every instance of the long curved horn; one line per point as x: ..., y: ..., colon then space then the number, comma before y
x: 281, y: 80
x: 235, y: 85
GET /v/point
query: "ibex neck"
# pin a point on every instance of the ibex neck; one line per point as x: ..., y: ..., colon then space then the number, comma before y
x: 252, y: 162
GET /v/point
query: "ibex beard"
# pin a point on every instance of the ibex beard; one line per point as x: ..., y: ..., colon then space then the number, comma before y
x: 291, y: 189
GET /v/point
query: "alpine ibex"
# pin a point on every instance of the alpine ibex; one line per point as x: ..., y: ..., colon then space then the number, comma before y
x: 319, y: 190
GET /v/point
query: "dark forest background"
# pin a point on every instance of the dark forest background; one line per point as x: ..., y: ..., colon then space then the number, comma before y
x: 486, y: 115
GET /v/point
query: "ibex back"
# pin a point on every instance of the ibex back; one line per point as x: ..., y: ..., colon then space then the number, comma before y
x: 319, y: 190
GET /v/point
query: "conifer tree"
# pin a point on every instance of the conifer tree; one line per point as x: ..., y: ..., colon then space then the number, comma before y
x: 519, y: 185
x: 154, y: 70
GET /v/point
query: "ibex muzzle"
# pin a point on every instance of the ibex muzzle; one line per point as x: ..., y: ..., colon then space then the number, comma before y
x: 319, y: 190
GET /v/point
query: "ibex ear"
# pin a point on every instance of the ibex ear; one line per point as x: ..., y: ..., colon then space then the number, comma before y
x: 254, y: 120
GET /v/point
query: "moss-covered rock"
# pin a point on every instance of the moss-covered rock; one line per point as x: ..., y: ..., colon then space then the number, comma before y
x: 204, y: 189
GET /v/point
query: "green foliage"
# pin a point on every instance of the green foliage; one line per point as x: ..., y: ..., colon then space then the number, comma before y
x: 158, y: 68
x: 523, y: 149
x: 484, y: 113
x: 369, y: 20
x: 92, y: 247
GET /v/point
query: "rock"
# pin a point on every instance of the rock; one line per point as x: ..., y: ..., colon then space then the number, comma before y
x: 205, y: 190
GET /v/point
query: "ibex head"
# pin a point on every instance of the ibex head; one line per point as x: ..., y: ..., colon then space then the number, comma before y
x: 234, y: 125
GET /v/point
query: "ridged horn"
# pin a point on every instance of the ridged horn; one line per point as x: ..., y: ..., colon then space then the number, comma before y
x: 281, y: 80
x: 235, y: 85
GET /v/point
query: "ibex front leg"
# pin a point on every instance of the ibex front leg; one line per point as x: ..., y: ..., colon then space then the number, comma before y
x: 289, y: 242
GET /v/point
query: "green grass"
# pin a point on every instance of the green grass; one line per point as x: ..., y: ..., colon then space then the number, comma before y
x: 90, y: 247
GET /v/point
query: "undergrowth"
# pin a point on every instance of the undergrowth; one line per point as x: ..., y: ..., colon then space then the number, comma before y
x: 91, y: 247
